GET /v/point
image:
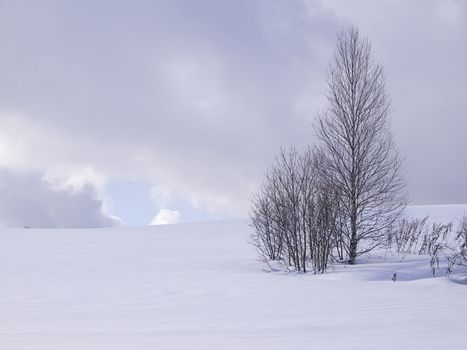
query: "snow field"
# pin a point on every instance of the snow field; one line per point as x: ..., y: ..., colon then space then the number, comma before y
x: 199, y: 286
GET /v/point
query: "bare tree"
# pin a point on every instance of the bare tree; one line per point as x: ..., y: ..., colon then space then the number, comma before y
x: 361, y: 162
x: 322, y: 214
x: 267, y: 238
x: 461, y: 242
x: 276, y: 212
x: 294, y: 213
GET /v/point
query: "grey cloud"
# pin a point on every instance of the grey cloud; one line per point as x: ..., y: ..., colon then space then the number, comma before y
x: 197, y: 96
x: 28, y: 201
x: 422, y: 47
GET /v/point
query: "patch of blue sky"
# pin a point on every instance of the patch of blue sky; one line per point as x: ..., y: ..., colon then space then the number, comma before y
x: 132, y: 202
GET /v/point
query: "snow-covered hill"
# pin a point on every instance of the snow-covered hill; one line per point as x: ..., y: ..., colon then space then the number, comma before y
x: 199, y: 286
x: 440, y: 213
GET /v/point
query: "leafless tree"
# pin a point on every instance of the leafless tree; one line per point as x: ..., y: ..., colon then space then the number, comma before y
x: 319, y: 212
x: 276, y: 213
x: 267, y: 238
x: 294, y: 213
x: 290, y: 188
x: 361, y: 162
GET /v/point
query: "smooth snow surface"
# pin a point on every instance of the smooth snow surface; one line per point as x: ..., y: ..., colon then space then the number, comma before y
x: 440, y: 213
x: 199, y: 286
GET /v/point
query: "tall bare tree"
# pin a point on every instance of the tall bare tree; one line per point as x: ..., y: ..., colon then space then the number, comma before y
x: 361, y: 162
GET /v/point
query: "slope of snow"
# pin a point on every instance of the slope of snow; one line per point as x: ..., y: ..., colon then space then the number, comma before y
x: 441, y: 213
x: 199, y: 286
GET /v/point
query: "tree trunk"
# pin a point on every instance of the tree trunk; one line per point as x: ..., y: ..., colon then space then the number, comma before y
x: 353, y: 236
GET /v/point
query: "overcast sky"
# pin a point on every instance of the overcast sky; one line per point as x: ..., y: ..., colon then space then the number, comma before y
x: 141, y: 112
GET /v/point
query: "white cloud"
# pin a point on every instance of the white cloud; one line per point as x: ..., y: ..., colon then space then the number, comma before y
x: 165, y: 217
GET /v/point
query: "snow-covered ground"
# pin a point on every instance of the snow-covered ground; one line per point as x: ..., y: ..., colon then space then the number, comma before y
x: 440, y: 213
x: 199, y: 286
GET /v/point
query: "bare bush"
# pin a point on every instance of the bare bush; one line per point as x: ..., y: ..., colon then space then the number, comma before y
x: 444, y: 247
x: 406, y: 234
x: 435, y: 239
